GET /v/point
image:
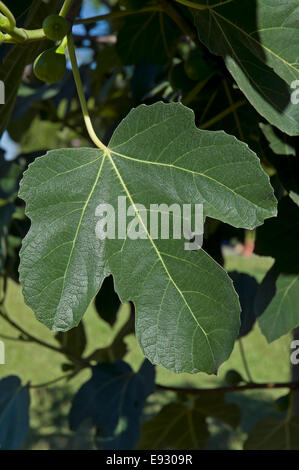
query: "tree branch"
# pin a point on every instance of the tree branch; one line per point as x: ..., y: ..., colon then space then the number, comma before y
x: 241, y: 388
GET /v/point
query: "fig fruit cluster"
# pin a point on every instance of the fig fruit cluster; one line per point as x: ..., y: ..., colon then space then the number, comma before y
x: 50, y: 65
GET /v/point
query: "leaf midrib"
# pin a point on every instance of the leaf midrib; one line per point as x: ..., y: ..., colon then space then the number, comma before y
x: 159, y: 255
x: 78, y: 230
x: 108, y: 154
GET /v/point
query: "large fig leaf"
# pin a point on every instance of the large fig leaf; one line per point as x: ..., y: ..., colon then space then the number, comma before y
x: 187, y: 313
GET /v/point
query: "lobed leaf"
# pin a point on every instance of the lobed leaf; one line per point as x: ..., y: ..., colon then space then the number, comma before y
x: 123, y: 394
x: 187, y: 313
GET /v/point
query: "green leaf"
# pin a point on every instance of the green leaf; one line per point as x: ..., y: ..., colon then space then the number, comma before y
x: 287, y: 170
x: 278, y: 232
x: 118, y: 347
x: 282, y: 314
x: 214, y: 405
x: 113, y: 399
x: 14, y: 413
x: 9, y: 175
x: 246, y: 287
x: 13, y: 64
x: 180, y: 426
x: 187, y: 313
x: 6, y: 212
x: 280, y: 143
x: 11, y: 73
x: 147, y: 37
x: 176, y: 426
x: 266, y: 290
x: 255, y: 52
x: 295, y: 197
x: 274, y: 434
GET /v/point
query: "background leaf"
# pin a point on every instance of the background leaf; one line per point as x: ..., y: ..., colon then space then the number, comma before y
x: 252, y: 46
x: 246, y: 287
x: 282, y: 314
x: 18, y: 56
x: 133, y: 45
x: 74, y: 340
x: 14, y: 413
x: 278, y: 232
x: 176, y: 426
x: 6, y: 212
x: 280, y: 143
x: 274, y: 434
x: 183, y: 426
x: 123, y: 394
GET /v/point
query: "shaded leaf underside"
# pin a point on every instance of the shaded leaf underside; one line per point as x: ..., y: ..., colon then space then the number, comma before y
x: 260, y: 50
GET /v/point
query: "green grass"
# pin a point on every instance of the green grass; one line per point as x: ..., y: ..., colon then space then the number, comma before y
x: 34, y: 364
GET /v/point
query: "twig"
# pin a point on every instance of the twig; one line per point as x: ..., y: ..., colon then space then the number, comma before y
x: 117, y: 14
x: 179, y: 20
x: 52, y: 382
x: 241, y: 388
x: 221, y: 115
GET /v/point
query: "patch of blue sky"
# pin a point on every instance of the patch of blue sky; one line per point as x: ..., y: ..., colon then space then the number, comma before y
x: 10, y: 147
x: 101, y: 28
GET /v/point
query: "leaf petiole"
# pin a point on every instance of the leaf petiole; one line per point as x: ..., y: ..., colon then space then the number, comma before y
x: 79, y: 86
x: 64, y: 8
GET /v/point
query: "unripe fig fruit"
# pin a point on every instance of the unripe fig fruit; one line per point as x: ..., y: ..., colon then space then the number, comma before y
x: 55, y: 27
x: 50, y: 66
x: 233, y: 377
